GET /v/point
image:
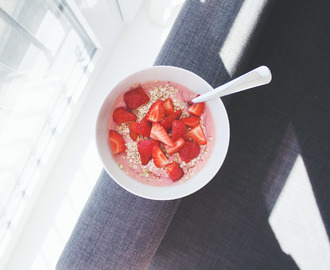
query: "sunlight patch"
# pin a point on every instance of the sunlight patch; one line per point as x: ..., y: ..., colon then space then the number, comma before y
x: 297, y: 223
x: 240, y: 34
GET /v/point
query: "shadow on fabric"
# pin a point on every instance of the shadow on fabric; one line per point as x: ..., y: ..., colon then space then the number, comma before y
x: 226, y: 224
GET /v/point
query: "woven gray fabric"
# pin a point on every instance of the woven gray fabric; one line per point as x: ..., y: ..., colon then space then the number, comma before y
x: 225, y: 225
x: 118, y: 230
x: 203, y: 28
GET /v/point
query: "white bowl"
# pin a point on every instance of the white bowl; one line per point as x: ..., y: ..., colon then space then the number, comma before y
x: 192, y: 82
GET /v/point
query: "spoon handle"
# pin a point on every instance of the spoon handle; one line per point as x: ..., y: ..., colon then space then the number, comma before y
x: 253, y: 78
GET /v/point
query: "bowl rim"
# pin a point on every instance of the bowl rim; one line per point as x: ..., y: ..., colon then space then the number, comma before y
x: 175, y: 191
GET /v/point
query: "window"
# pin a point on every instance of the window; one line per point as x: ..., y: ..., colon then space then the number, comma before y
x: 46, y: 58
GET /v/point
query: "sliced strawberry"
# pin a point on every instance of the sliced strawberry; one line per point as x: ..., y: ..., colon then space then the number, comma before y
x: 168, y: 107
x: 189, y: 151
x: 145, y: 148
x: 156, y: 112
x: 144, y: 128
x: 135, y: 98
x: 176, y: 146
x: 117, y: 142
x: 160, y: 134
x: 121, y: 115
x: 178, y: 130
x: 174, y: 171
x: 197, y: 135
x: 186, y: 136
x: 167, y: 122
x: 132, y: 130
x: 192, y: 121
x: 159, y: 157
x: 196, y: 109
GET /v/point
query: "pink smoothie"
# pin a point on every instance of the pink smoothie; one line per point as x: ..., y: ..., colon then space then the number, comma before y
x: 129, y: 161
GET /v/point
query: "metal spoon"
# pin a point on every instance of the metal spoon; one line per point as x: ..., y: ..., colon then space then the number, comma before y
x: 253, y: 78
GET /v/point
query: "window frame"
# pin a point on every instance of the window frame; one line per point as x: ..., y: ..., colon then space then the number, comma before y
x: 92, y: 15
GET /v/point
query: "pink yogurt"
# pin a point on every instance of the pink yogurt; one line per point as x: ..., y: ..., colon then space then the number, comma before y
x: 129, y: 160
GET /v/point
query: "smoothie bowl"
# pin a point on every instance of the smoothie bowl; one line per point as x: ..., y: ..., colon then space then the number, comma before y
x: 153, y: 141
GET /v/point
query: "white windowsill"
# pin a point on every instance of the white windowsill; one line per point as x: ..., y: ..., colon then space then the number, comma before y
x: 77, y: 166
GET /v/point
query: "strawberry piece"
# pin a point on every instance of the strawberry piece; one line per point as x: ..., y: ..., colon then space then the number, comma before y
x: 167, y: 122
x: 197, y: 135
x: 145, y: 148
x: 168, y: 107
x: 189, y: 151
x: 192, y: 121
x: 135, y: 98
x: 159, y: 157
x: 121, y: 115
x: 160, y: 134
x: 117, y: 142
x: 156, y: 112
x: 132, y: 130
x: 175, y: 148
x: 174, y: 171
x: 178, y: 130
x: 144, y: 128
x: 186, y: 136
x: 196, y: 109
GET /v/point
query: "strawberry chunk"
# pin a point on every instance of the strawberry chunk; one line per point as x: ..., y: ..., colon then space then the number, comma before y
x: 145, y: 148
x: 132, y: 130
x: 167, y: 122
x: 168, y: 107
x: 156, y: 112
x: 196, y: 109
x: 175, y: 148
x: 178, y: 129
x: 160, y: 134
x: 174, y: 171
x: 186, y: 136
x: 192, y: 121
x: 144, y: 128
x: 121, y: 115
x: 117, y: 142
x: 189, y: 151
x: 159, y: 157
x: 197, y: 135
x: 135, y: 98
